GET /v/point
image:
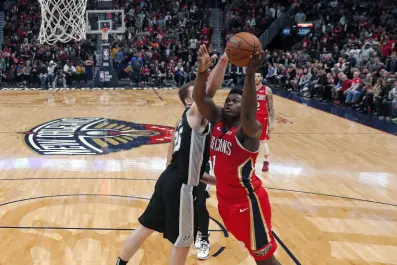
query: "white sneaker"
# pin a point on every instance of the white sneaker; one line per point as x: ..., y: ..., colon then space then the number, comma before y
x: 197, y: 244
x: 204, y: 251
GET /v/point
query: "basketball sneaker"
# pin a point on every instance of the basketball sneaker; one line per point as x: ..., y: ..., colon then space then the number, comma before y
x: 204, y: 250
x: 197, y: 244
x: 265, y: 166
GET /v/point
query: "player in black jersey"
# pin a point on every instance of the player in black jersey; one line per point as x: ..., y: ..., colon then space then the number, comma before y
x: 170, y: 210
x: 201, y: 192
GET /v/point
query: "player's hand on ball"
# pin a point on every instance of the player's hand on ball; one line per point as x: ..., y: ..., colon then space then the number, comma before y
x: 224, y: 57
x: 255, y: 62
x: 205, y: 61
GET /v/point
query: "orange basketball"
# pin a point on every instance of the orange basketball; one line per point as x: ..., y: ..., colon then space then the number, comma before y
x: 241, y: 46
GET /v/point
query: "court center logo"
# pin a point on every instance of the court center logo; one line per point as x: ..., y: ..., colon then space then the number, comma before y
x: 93, y: 136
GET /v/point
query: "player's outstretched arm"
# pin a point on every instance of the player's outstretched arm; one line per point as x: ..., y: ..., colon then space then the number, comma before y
x: 171, y: 146
x: 217, y: 75
x: 249, y: 125
x: 204, y: 102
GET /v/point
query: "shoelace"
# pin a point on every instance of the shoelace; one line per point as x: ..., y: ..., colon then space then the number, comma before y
x: 204, y: 246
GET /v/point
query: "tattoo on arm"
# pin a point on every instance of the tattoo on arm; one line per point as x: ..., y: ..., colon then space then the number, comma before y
x: 271, y: 106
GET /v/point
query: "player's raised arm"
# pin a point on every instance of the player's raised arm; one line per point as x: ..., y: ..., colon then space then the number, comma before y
x: 171, y: 146
x: 217, y: 75
x: 204, y: 102
x: 249, y: 124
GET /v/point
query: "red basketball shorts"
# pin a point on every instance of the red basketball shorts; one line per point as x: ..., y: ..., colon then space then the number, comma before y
x: 250, y: 222
x: 264, y: 120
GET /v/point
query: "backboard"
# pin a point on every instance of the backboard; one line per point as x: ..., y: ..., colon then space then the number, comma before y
x: 112, y: 19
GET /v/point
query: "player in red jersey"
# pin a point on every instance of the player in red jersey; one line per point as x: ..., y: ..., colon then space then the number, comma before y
x: 242, y: 201
x: 264, y: 114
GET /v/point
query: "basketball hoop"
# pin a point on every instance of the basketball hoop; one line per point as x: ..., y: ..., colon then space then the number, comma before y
x: 105, y: 33
x: 62, y: 21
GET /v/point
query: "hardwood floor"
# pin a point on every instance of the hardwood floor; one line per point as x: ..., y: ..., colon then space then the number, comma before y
x: 332, y: 182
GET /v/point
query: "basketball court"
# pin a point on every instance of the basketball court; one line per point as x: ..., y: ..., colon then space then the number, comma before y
x: 70, y: 195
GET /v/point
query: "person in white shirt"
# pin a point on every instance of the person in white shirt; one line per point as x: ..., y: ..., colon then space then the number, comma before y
x: 51, y: 73
x: 180, y: 74
x: 69, y: 70
x: 193, y: 44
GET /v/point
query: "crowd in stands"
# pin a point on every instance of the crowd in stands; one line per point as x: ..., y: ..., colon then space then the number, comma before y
x: 349, y: 59
x: 159, y: 45
x: 251, y: 15
x: 160, y: 42
x: 24, y: 61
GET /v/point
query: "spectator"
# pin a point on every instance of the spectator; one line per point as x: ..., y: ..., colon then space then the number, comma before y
x: 372, y: 90
x: 391, y: 103
x: 354, y: 92
x: 59, y: 77
x: 341, y: 91
x: 300, y: 17
x: 69, y: 71
x: 350, y: 54
x: 80, y: 73
x: 51, y: 73
x: 381, y: 100
x: 271, y: 73
x: 136, y: 64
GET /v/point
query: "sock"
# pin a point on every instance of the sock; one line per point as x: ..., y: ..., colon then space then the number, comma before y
x: 121, y: 262
x: 266, y: 151
x: 205, y: 238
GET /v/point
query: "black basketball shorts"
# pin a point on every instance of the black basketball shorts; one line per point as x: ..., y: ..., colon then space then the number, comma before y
x: 171, y: 212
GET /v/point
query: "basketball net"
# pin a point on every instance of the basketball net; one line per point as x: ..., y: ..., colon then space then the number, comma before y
x: 105, y: 33
x: 62, y: 21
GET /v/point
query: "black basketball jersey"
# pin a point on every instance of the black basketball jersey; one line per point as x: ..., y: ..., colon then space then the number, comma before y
x: 191, y: 152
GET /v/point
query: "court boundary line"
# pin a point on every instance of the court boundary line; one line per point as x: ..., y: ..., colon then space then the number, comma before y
x: 217, y: 253
x: 332, y: 196
x: 314, y: 133
x: 223, y: 229
x: 56, y: 91
x: 73, y: 178
x: 279, y: 94
x: 154, y: 90
x: 286, y: 249
x: 80, y: 228
x: 269, y: 188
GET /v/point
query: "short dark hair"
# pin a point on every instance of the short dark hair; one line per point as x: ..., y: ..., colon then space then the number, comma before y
x: 183, y: 91
x: 236, y: 91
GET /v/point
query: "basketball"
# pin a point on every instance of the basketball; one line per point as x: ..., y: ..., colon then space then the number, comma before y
x: 241, y: 46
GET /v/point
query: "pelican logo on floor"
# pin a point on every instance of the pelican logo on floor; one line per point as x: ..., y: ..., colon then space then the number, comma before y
x: 93, y: 136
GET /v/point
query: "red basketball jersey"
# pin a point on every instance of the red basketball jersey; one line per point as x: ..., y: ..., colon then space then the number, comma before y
x: 233, y: 166
x: 262, y: 99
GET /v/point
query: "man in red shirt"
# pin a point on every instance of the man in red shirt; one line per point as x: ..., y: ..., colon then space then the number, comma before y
x: 354, y: 92
x: 339, y: 91
x: 205, y: 42
x: 205, y: 31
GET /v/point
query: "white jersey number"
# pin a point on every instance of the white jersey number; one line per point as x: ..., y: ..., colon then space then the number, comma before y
x: 178, y: 137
